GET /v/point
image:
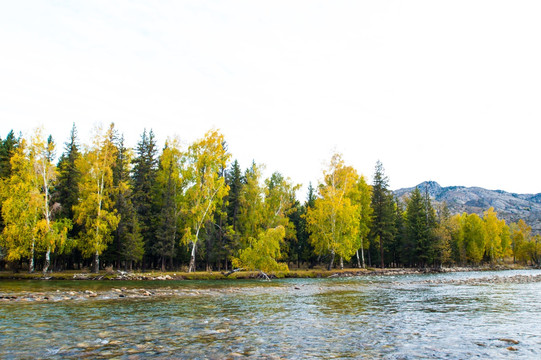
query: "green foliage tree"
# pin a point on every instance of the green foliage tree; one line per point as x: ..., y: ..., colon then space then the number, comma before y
x: 7, y: 148
x: 421, y: 225
x: 383, y: 224
x: 145, y: 168
x: 94, y: 211
x: 127, y: 236
x: 234, y: 181
x: 67, y: 184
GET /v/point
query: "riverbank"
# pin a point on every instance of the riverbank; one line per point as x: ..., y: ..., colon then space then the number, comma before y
x: 57, y: 290
x: 119, y: 275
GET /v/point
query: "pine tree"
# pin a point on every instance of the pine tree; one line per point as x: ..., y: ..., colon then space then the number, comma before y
x: 416, y: 230
x: 383, y: 224
x: 128, y: 242
x: 144, y: 178
x: 167, y: 226
x: 67, y: 186
x: 7, y: 148
x: 234, y: 181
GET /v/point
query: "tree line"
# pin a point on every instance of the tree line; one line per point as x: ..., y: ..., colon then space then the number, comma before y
x: 104, y: 204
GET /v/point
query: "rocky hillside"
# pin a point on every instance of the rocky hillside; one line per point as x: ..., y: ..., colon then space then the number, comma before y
x: 509, y: 206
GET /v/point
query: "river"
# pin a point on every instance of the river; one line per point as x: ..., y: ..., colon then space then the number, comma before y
x: 451, y: 315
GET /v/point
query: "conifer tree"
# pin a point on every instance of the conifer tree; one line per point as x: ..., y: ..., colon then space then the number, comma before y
x: 417, y: 230
x: 234, y: 181
x: 145, y: 167
x: 383, y: 224
x: 67, y: 186
x: 7, y: 148
x: 127, y: 237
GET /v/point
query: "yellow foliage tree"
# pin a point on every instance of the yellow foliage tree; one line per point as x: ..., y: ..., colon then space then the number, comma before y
x: 264, y: 222
x: 94, y: 210
x: 205, y: 187
x: 20, y: 208
x: 362, y: 197
x: 520, y: 238
x: 334, y: 220
x: 51, y: 233
x: 496, y: 235
x: 263, y: 252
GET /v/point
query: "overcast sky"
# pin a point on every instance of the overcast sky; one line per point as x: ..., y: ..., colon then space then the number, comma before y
x: 448, y: 91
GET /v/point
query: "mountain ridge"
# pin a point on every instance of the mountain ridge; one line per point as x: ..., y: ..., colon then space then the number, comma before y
x: 459, y: 199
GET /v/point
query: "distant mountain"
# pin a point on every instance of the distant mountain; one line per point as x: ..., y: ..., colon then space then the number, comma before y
x: 459, y: 199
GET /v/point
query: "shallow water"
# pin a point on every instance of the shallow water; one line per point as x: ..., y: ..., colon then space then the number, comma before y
x: 396, y: 317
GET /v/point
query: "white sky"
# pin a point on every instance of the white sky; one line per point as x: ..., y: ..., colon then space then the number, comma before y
x: 437, y: 90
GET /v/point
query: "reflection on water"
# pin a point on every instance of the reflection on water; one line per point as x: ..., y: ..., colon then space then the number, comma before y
x: 391, y: 317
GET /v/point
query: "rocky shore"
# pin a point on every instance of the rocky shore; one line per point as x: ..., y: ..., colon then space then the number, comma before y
x: 516, y: 279
x: 111, y: 293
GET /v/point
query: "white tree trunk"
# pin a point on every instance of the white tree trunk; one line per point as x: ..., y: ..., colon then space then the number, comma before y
x: 96, y: 262
x: 31, y: 262
x: 47, y: 260
x: 191, y: 268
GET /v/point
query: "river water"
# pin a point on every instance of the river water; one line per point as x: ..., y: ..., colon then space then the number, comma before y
x: 394, y: 317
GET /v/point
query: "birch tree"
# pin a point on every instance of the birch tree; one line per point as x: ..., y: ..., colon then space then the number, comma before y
x: 362, y: 198
x: 170, y: 186
x: 20, y: 208
x: 205, y: 187
x: 334, y: 219
x: 51, y: 233
x: 94, y: 212
x: 264, y: 221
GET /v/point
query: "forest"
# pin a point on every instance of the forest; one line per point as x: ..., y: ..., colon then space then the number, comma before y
x: 104, y: 204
